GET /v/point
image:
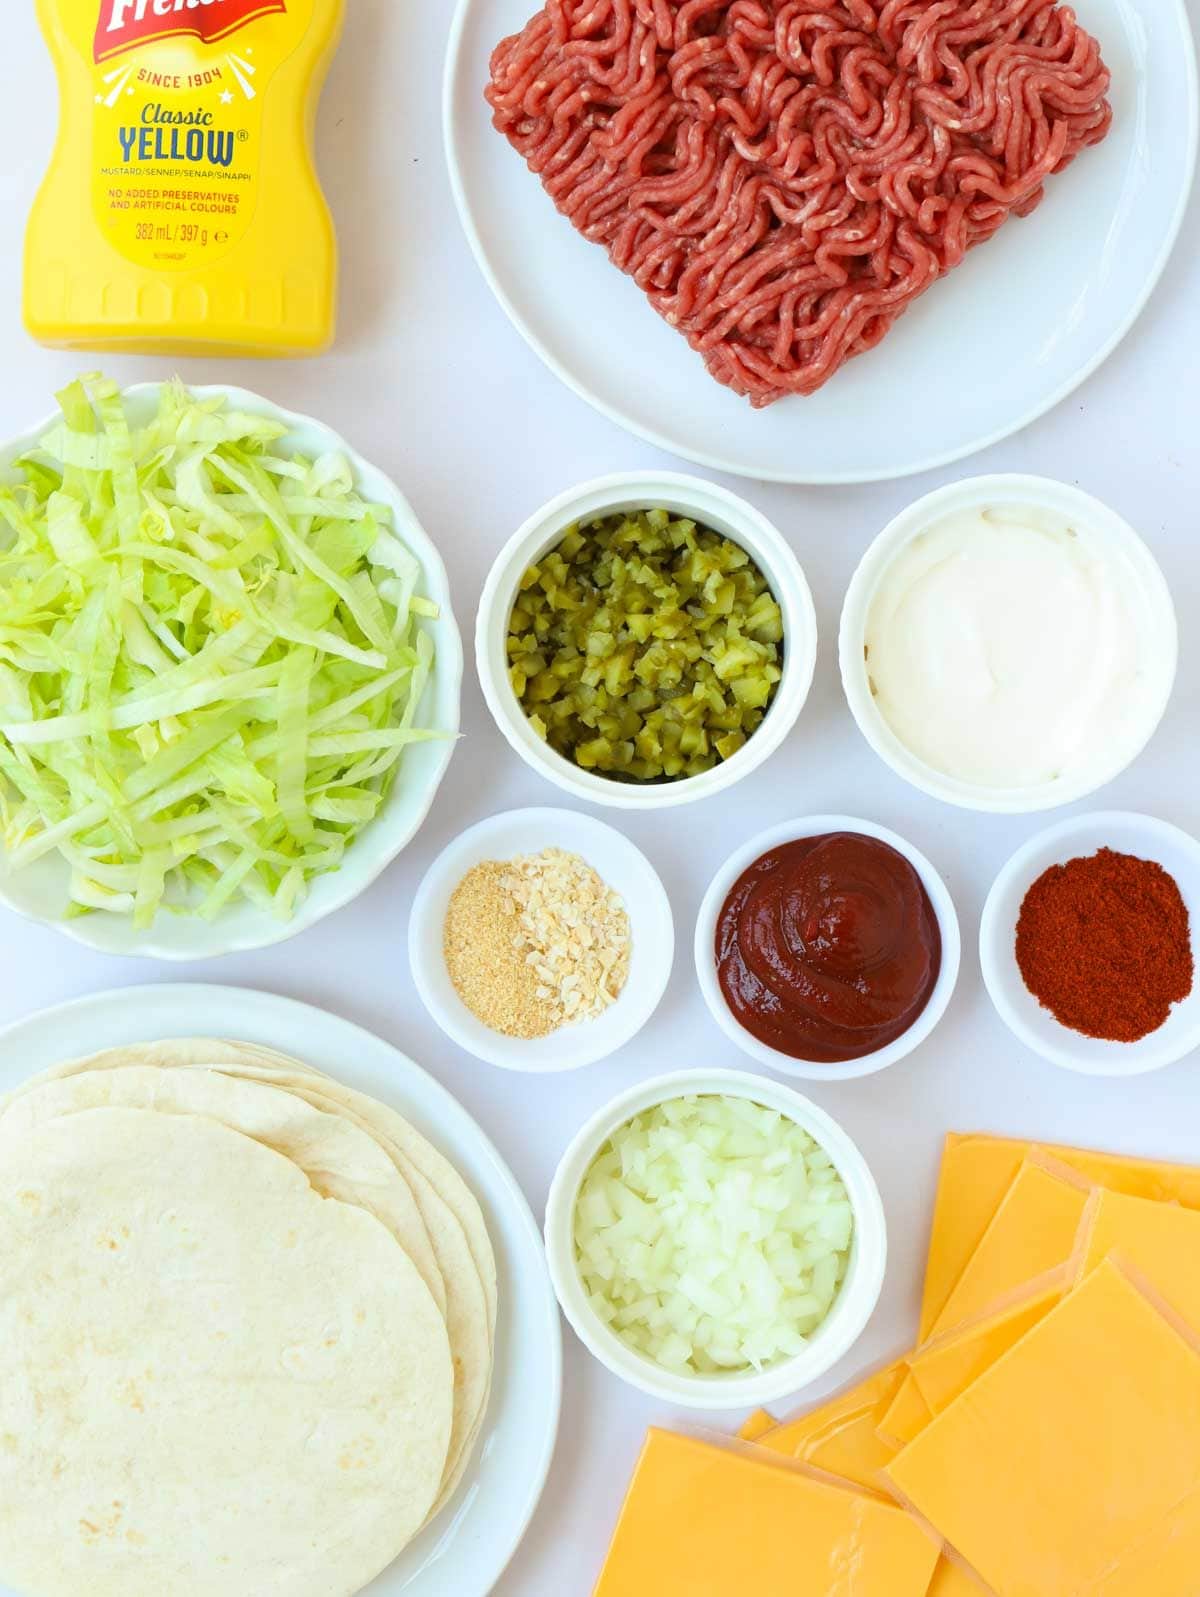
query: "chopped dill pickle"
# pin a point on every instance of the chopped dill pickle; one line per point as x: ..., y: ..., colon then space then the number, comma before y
x: 645, y: 647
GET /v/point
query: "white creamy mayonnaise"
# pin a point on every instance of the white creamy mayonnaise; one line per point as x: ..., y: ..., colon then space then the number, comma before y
x: 1005, y: 646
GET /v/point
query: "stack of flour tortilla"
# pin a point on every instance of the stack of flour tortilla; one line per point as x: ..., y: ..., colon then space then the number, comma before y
x: 248, y: 1319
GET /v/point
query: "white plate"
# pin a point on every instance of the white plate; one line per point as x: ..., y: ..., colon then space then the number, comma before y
x: 468, y: 1546
x: 1012, y: 332
x: 624, y: 867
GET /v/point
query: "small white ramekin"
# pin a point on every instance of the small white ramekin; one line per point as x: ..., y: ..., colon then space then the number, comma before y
x: 850, y: 1314
x: 711, y: 506
x: 1140, y: 570
x: 706, y: 963
x: 1141, y: 835
x: 624, y: 867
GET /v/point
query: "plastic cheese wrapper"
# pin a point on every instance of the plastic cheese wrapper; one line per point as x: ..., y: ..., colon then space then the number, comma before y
x: 977, y: 1172
x: 759, y: 1423
x: 841, y: 1436
x: 907, y: 1415
x: 947, y: 1366
x: 1072, y: 1464
x: 706, y: 1516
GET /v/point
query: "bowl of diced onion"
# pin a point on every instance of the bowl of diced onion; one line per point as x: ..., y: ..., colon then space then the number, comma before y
x: 233, y: 678
x: 715, y: 1239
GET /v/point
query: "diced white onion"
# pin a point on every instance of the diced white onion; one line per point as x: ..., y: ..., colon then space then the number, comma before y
x: 713, y: 1234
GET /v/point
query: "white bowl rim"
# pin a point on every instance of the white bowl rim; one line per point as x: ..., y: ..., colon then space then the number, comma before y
x: 857, y: 1298
x: 576, y: 1055
x: 793, y: 831
x: 1137, y: 1059
x: 761, y: 539
x: 450, y: 658
x: 882, y: 550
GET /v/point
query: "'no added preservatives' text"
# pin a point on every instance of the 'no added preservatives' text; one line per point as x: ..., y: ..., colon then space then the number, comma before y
x: 121, y: 197
x: 174, y: 221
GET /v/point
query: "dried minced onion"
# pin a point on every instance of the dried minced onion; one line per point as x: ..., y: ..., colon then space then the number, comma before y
x: 712, y: 1235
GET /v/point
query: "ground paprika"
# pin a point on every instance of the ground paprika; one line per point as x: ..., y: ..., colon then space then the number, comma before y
x: 1104, y: 943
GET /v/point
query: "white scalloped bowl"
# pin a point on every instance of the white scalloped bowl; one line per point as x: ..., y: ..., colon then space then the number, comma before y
x: 39, y: 891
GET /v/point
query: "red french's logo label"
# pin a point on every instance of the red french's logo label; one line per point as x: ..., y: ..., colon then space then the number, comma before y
x: 125, y: 24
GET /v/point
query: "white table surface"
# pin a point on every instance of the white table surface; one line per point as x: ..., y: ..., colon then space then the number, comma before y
x: 429, y: 380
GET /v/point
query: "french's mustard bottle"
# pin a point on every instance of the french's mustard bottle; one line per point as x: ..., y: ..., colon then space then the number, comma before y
x: 181, y: 212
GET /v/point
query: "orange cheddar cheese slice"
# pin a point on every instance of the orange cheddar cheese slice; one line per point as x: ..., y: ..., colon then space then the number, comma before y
x: 704, y: 1520
x: 1034, y: 1230
x: 906, y: 1416
x: 1159, y: 1243
x: 759, y: 1423
x: 977, y: 1172
x: 947, y: 1366
x: 951, y: 1580
x: 841, y: 1436
x: 1165, y: 1564
x: 1056, y: 1471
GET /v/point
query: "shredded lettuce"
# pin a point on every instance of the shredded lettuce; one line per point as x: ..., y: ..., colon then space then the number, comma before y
x: 712, y: 1235
x: 211, y: 657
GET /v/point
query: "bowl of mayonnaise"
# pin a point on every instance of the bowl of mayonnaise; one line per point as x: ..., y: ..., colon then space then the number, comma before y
x: 1008, y: 644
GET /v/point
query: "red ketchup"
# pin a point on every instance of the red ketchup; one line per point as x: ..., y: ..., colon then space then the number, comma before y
x: 828, y: 948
